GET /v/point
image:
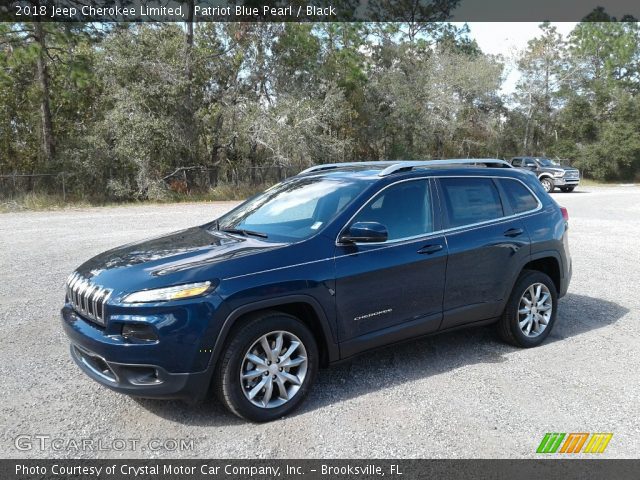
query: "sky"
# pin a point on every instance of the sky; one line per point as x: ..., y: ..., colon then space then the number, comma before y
x: 507, y: 38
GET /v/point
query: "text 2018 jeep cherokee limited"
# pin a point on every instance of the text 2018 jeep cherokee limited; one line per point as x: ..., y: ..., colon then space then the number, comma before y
x: 337, y: 260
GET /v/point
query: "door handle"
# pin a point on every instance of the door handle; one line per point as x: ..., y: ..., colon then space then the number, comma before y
x: 513, y: 232
x: 429, y: 249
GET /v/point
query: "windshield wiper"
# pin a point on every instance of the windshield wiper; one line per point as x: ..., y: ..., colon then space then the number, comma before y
x: 241, y: 231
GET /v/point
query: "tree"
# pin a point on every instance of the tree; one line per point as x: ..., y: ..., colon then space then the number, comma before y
x: 543, y: 71
x: 124, y: 108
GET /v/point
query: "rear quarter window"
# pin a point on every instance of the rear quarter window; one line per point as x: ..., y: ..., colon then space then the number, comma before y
x: 518, y: 196
x: 471, y: 200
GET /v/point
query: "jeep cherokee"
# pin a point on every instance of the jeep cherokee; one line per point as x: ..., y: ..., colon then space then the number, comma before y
x: 337, y: 260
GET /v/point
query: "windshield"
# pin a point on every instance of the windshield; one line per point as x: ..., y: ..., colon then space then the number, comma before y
x: 292, y: 210
x: 547, y: 162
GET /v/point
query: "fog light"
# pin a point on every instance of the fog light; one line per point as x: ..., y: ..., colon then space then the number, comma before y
x: 142, y: 375
x: 134, y: 331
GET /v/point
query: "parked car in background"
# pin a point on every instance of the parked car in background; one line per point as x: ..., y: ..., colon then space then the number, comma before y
x: 550, y: 173
x: 333, y: 262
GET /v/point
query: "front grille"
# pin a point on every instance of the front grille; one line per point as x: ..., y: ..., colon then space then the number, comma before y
x: 87, y: 299
x: 572, y: 174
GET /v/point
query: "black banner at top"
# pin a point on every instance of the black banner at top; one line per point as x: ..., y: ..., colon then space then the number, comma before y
x: 317, y: 10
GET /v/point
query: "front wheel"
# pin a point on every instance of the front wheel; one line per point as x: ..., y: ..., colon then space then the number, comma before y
x: 531, y: 310
x: 547, y: 184
x: 267, y: 367
x: 567, y: 189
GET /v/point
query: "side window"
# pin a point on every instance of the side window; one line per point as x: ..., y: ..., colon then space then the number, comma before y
x: 404, y: 208
x: 517, y: 162
x: 519, y: 196
x: 529, y: 163
x: 471, y: 200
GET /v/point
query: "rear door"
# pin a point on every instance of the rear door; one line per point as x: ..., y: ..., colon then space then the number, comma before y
x: 486, y: 243
x: 392, y: 290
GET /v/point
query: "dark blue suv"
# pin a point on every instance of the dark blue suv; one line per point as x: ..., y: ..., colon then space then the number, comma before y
x: 337, y: 260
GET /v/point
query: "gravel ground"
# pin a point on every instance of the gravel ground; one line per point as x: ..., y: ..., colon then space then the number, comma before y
x: 461, y: 394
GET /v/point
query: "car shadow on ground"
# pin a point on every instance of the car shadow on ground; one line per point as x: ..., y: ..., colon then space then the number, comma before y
x: 394, y: 365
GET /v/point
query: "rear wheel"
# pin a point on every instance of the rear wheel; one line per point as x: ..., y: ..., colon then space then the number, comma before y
x: 531, y: 310
x: 547, y: 184
x: 267, y: 367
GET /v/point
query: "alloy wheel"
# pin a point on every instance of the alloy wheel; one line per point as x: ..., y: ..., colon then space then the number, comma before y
x: 535, y: 309
x: 546, y: 184
x: 273, y: 369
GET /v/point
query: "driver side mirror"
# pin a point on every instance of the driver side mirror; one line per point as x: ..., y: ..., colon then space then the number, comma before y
x: 365, y: 232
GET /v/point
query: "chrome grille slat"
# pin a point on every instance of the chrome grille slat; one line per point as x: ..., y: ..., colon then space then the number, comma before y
x: 94, y: 302
x: 91, y: 291
x: 76, y: 296
x: 87, y: 298
x: 72, y: 286
x: 104, y: 301
x: 81, y: 294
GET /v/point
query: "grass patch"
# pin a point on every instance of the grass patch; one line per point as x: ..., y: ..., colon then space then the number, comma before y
x: 233, y: 192
x: 38, y: 201
x: 34, y: 201
x: 589, y: 182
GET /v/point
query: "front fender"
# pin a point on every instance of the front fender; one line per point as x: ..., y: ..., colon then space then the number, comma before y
x: 332, y: 349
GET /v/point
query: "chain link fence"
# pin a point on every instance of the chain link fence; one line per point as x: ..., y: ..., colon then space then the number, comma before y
x: 183, y: 180
x: 15, y: 184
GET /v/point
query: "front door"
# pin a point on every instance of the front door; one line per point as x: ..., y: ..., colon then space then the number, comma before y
x: 392, y: 290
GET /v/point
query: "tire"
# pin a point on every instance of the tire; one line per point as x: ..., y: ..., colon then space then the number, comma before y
x: 234, y: 361
x: 509, y: 325
x: 570, y: 189
x: 547, y: 184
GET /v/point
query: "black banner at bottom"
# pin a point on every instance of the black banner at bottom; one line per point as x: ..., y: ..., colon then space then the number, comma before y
x: 319, y: 469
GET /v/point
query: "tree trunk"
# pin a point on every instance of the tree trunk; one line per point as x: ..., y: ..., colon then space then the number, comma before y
x: 188, y: 73
x: 190, y: 7
x: 48, y: 143
x: 525, y: 142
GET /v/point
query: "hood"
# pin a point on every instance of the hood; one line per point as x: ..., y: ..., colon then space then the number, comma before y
x: 561, y: 169
x: 155, y: 259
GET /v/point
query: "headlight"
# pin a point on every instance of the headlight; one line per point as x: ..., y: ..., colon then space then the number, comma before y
x: 188, y: 290
x: 558, y: 174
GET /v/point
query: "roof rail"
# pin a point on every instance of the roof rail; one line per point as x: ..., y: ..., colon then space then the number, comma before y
x: 410, y: 165
x: 390, y: 167
x: 329, y: 166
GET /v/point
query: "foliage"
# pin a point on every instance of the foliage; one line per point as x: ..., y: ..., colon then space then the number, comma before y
x: 143, y: 111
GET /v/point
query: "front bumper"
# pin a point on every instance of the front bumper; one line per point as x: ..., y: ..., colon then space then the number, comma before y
x: 566, y: 182
x: 175, y: 365
x: 148, y: 381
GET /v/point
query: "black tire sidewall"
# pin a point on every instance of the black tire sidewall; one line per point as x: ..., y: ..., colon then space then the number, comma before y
x: 233, y: 356
x: 546, y: 180
x: 527, y: 279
